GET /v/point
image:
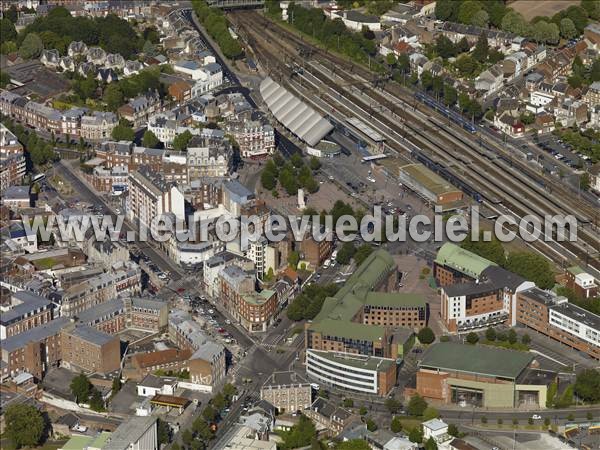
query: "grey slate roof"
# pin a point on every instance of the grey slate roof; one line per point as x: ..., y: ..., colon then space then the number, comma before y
x: 36, y: 334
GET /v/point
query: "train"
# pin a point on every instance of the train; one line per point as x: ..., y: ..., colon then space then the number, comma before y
x: 452, y: 115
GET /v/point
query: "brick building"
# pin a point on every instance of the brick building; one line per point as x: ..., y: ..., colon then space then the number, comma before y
x: 85, y: 348
x: 454, y: 264
x: 582, y: 283
x: 24, y: 311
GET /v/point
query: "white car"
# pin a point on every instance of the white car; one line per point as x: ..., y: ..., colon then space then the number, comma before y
x: 536, y: 417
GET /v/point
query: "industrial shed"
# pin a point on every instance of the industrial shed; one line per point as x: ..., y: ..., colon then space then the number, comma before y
x: 295, y: 115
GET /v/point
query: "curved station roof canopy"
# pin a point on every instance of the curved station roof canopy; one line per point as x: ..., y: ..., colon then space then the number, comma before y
x: 294, y: 114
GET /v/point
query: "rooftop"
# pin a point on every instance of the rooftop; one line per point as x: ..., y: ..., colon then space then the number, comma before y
x: 357, y: 361
x: 395, y: 299
x: 430, y: 180
x: 578, y: 314
x: 36, y: 334
x: 92, y: 335
x: 476, y: 359
x: 128, y: 432
x: 464, y: 261
x: 285, y: 379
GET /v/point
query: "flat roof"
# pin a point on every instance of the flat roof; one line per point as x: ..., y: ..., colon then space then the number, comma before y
x: 170, y: 400
x: 578, y: 314
x: 92, y: 335
x: 428, y: 179
x: 358, y: 361
x: 285, y: 379
x: 350, y: 330
x: 36, y: 334
x: 476, y: 359
x: 129, y: 431
x: 365, y: 129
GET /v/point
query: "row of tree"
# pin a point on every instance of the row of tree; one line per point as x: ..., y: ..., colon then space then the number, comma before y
x: 217, y: 26
x: 530, y: 266
x: 39, y: 151
x: 309, y: 302
x: 291, y: 175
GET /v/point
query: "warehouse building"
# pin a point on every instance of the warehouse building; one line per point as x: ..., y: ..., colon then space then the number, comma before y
x: 430, y: 186
x: 481, y: 376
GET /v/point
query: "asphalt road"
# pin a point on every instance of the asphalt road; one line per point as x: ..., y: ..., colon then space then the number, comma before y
x: 85, y: 192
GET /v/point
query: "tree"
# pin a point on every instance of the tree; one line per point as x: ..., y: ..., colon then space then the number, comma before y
x: 450, y: 95
x: 348, y: 403
x: 430, y: 413
x: 446, y: 10
x: 490, y: 334
x: 532, y: 267
x: 123, y: 133
x: 431, y: 444
x: 31, y: 47
x: 353, y: 444
x: 150, y: 140
x: 362, y: 253
x: 4, y: 79
x: 512, y: 336
x: 472, y: 338
x: 480, y: 19
x: 346, y: 253
x: 268, y: 180
x: 587, y: 385
x: 300, y: 435
x: 113, y: 96
x: 163, y: 431
x: 453, y: 430
x: 415, y: 435
x: 566, y: 399
x: 393, y: 405
x: 8, y: 32
x: 202, y: 429
x: 363, y: 411
x: 416, y: 405
x: 481, y: 48
x: 371, y: 425
x: 314, y: 163
x: 466, y: 65
x: 116, y: 385
x: 514, y: 22
x: 396, y: 425
x: 467, y: 9
x: 293, y: 259
x: 209, y: 413
x: 567, y: 28
x: 425, y: 335
x: 96, y: 401
x: 81, y: 388
x: 24, y: 425
x: 229, y: 390
x: 490, y: 250
x: 181, y: 141
x: 219, y: 402
x: 444, y: 47
x: 525, y: 339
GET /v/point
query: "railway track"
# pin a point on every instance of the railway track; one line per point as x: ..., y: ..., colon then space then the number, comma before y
x: 284, y: 56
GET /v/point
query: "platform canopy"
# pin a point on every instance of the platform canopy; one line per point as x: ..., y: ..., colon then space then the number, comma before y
x: 293, y: 113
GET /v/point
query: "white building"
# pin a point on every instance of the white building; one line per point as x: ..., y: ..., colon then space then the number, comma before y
x: 575, y: 321
x: 347, y: 371
x: 355, y: 20
x: 191, y: 68
x: 436, y: 429
x: 540, y: 98
x: 150, y: 197
x: 208, y: 78
x: 137, y: 433
x: 152, y: 385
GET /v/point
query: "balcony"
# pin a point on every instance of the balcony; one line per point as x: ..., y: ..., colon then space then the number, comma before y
x: 483, y: 323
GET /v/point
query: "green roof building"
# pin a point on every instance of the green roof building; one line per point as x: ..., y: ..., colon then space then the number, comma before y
x: 454, y: 264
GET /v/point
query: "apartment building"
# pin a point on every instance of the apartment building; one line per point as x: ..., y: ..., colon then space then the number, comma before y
x: 151, y: 197
x: 88, y: 349
x: 12, y: 159
x: 350, y: 342
x: 489, y: 301
x: 287, y: 391
x: 76, y: 298
x: 147, y: 314
x: 136, y: 433
x: 23, y: 311
x: 98, y: 125
x: 555, y: 317
x: 207, y: 361
x: 256, y: 139
x: 139, y: 109
x: 214, y: 265
x: 316, y: 252
x: 208, y: 155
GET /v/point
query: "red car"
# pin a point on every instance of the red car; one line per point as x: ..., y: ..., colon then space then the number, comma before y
x: 180, y: 290
x: 221, y: 330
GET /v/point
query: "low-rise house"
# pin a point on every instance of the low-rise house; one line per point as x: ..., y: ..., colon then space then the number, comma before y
x: 595, y: 177
x: 544, y: 123
x: 436, y: 429
x: 181, y: 91
x: 510, y: 125
x: 67, y: 64
x: 107, y: 75
x: 96, y: 56
x: 85, y: 69
x: 591, y: 34
x: 50, y: 58
x: 139, y: 109
x: 210, y: 77
x: 594, y: 121
x: 16, y: 197
x: 490, y: 80
x: 569, y: 113
x: 77, y: 49
x: 355, y: 20
x: 132, y: 68
x: 328, y: 415
x: 152, y: 385
x: 98, y: 126
x: 581, y: 282
x: 592, y: 96
x: 114, y: 61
